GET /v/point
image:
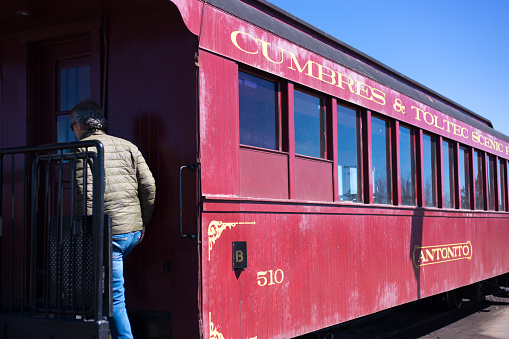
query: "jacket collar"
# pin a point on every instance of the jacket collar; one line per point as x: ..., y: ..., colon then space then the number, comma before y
x: 92, y: 132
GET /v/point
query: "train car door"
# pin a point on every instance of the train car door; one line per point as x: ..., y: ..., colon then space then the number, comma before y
x: 60, y: 77
x: 66, y: 73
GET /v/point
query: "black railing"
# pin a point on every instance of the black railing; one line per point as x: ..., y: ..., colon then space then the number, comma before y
x: 55, y: 241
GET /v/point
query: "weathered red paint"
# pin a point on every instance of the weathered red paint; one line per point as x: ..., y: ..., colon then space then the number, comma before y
x: 339, y: 263
x: 312, y: 261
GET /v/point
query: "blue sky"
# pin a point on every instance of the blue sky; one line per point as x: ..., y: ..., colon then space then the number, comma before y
x: 458, y: 48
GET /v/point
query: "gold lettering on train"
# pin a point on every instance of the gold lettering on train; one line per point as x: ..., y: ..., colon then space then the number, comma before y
x: 309, y: 65
x: 331, y: 76
x: 444, y: 125
x: 398, y: 106
x: 429, y: 255
x: 487, y: 142
x: 234, y: 40
x: 239, y: 256
x: 312, y: 69
x: 265, y: 52
x: 270, y: 277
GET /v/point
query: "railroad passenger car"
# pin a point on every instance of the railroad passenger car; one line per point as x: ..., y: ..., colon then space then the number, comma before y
x: 300, y: 183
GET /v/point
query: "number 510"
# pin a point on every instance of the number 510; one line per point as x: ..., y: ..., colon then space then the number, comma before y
x: 274, y: 277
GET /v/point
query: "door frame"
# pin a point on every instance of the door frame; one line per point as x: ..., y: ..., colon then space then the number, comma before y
x: 54, y: 35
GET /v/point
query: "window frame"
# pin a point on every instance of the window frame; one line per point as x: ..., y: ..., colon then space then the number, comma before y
x: 434, y: 169
x: 468, y: 180
x: 389, y: 158
x: 359, y: 116
x: 452, y: 173
x: 491, y: 183
x: 414, y: 132
x: 479, y: 178
x: 325, y: 123
x: 502, y: 184
x: 279, y: 98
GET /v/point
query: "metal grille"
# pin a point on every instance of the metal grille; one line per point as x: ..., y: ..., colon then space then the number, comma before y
x: 70, y: 268
x: 54, y: 262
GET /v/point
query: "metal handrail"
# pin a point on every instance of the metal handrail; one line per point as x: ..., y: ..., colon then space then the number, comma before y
x: 98, y: 220
x: 192, y: 168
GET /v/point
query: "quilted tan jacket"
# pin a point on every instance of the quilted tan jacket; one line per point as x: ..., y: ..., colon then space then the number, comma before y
x: 130, y: 189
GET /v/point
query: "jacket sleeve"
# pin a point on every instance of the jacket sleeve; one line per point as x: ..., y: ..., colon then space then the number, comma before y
x: 79, y: 187
x: 146, y: 188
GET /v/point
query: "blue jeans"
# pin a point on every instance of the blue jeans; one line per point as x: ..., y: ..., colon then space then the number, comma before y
x: 122, y: 245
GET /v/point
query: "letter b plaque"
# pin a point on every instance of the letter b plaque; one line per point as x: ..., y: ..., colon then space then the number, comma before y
x: 239, y: 255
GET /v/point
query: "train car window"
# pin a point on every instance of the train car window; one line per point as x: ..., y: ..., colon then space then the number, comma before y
x: 464, y: 171
x: 448, y: 179
x: 258, y: 112
x: 74, y: 86
x: 491, y: 182
x: 448, y: 176
x: 381, y: 157
x: 429, y: 170
x: 309, y: 124
x: 407, y: 165
x: 479, y: 179
x: 349, y: 154
x: 502, y: 184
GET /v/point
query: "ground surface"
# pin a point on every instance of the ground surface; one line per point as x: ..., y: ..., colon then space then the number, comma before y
x: 484, y: 319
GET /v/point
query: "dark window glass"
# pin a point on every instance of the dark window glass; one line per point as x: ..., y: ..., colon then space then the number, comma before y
x: 309, y: 120
x: 75, y: 86
x: 502, y: 182
x: 258, y: 112
x: 349, y: 155
x: 429, y: 167
x: 448, y: 162
x: 380, y: 138
x: 64, y: 133
x: 479, y: 178
x: 465, y: 178
x: 491, y: 182
x: 407, y: 165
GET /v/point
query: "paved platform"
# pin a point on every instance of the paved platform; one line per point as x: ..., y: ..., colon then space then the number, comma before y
x: 489, y: 323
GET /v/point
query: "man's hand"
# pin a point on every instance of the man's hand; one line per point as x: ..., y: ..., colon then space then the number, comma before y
x: 142, y: 235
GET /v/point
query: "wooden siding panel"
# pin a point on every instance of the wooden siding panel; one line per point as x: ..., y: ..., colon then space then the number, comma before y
x: 313, y: 180
x: 14, y: 96
x: 219, y: 125
x: 337, y: 266
x: 263, y: 174
x: 13, y: 133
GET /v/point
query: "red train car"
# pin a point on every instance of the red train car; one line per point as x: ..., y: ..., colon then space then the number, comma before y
x: 327, y: 185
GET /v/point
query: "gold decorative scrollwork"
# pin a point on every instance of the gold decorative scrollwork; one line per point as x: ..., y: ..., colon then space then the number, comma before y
x: 214, y: 333
x: 217, y: 227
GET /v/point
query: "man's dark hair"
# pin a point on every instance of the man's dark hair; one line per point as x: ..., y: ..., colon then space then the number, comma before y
x: 89, y: 114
